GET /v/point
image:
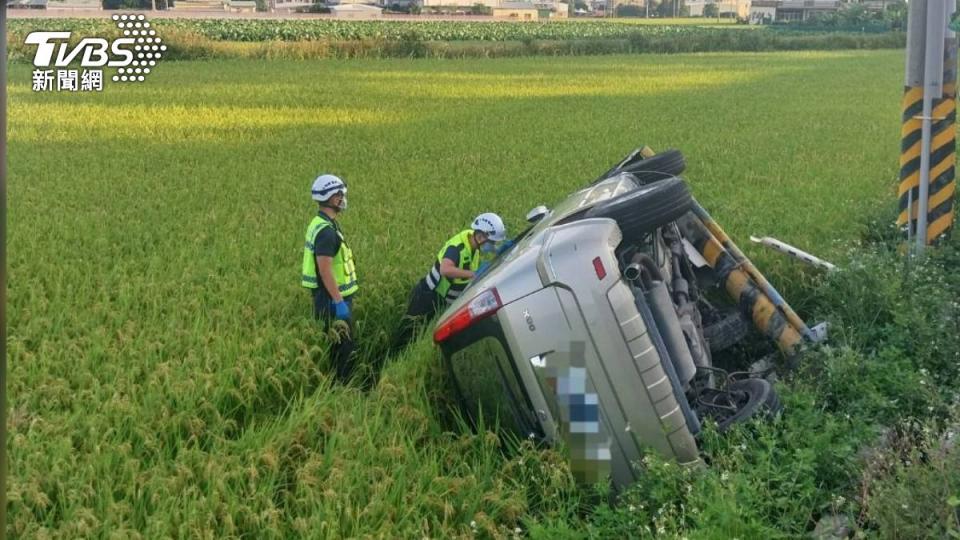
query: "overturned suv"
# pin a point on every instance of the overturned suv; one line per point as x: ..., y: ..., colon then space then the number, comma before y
x: 593, y: 330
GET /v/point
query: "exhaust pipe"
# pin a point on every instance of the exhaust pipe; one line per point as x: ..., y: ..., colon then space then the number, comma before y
x: 643, y: 269
x: 632, y: 272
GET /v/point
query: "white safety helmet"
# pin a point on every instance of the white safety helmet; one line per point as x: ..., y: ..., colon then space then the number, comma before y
x: 491, y: 225
x: 328, y: 185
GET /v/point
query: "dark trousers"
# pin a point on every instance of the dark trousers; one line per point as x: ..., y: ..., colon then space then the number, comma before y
x: 342, y: 346
x: 423, y: 305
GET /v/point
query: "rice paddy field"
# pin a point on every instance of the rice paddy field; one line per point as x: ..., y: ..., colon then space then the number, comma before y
x: 166, y: 380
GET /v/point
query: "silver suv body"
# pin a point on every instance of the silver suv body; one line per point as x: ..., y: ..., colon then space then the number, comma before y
x: 593, y: 331
x: 569, y: 350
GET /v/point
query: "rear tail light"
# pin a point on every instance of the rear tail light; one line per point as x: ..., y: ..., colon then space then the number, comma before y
x: 599, y: 269
x: 482, y: 306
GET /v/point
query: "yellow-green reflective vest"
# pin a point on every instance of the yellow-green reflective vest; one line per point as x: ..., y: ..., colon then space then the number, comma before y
x: 448, y: 289
x: 344, y: 271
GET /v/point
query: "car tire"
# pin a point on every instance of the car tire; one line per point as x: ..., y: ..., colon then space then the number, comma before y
x: 762, y: 400
x: 664, y: 165
x: 644, y: 209
x: 726, y: 332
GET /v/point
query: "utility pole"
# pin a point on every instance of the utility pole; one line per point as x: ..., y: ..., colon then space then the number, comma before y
x: 927, y: 158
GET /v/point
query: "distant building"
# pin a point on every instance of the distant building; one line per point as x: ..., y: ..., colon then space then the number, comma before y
x: 524, y: 11
x: 459, y: 3
x: 240, y: 6
x: 509, y: 9
x: 554, y: 10
x: 608, y: 7
x: 726, y: 8
x: 356, y: 11
x: 801, y: 10
x: 551, y: 9
x: 872, y: 5
x: 288, y: 5
x: 762, y: 11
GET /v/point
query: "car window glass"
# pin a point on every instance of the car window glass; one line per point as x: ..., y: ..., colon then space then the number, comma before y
x: 489, y: 388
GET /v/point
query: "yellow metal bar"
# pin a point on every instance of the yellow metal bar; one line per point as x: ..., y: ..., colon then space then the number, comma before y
x: 751, y: 270
x: 742, y: 287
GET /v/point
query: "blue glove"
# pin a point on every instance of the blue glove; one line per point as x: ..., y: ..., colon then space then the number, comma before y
x: 481, y: 269
x: 341, y: 310
x: 507, y: 244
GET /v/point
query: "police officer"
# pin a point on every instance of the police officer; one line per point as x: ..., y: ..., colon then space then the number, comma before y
x: 329, y: 272
x: 457, y: 263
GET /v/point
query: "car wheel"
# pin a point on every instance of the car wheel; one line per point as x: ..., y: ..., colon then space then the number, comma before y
x: 659, y: 167
x: 726, y: 332
x: 646, y: 208
x: 759, y: 399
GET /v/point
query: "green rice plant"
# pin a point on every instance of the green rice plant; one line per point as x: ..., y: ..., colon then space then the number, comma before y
x: 306, y: 29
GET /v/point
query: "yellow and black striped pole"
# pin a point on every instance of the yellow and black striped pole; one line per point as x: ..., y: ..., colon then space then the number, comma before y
x: 910, y: 158
x: 943, y: 156
x: 927, y: 134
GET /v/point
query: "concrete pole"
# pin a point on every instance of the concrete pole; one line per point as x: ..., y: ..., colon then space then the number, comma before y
x: 936, y: 21
x: 913, y: 76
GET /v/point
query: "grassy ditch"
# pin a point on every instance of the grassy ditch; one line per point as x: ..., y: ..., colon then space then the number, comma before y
x: 869, y: 431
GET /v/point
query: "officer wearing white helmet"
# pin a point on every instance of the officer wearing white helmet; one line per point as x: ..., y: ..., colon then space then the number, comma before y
x: 456, y: 264
x: 328, y: 269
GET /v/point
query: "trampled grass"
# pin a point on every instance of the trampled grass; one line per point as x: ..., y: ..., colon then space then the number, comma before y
x: 165, y: 377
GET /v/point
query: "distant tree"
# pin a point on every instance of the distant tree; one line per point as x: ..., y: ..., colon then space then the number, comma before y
x: 650, y: 8
x: 629, y: 10
x: 710, y: 10
x: 855, y: 15
x: 580, y: 4
x: 666, y: 8
x: 480, y: 9
x: 895, y: 15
